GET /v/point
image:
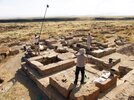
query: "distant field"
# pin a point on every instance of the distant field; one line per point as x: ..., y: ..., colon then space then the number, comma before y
x: 101, y: 29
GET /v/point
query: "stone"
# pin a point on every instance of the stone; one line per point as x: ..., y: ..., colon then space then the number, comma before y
x: 91, y: 68
x: 55, y: 67
x: 53, y: 46
x: 4, y: 50
x: 62, y: 83
x: 121, y: 92
x: 104, y: 45
x: 85, y: 92
x: 80, y: 35
x: 65, y: 56
x: 50, y: 41
x: 68, y: 37
x: 63, y: 42
x: 129, y: 77
x: 43, y: 84
x: 107, y: 84
x: 2, y: 57
x: 97, y: 53
x: 82, y: 45
x: 84, y: 39
x: 113, y: 63
x: 101, y: 53
x: 119, y: 42
x: 42, y: 47
x: 50, y: 60
x: 98, y: 62
x: 112, y: 45
x: 14, y: 43
x: 49, y: 90
x: 123, y: 70
x: 101, y: 64
x: 36, y: 64
x: 74, y: 47
x: 108, y: 51
x: 44, y: 55
x: 127, y: 49
x: 61, y: 50
x: 52, y: 67
x: 51, y: 55
x: 72, y: 41
x: 13, y: 51
x: 6, y: 87
x: 37, y: 58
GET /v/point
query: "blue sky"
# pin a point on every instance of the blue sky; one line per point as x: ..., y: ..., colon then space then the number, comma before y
x: 36, y: 8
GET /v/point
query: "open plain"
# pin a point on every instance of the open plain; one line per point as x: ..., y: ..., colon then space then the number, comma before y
x: 34, y: 78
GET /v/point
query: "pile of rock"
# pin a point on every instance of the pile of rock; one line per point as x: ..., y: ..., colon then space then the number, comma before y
x: 6, y: 51
x: 127, y: 50
x: 65, y: 87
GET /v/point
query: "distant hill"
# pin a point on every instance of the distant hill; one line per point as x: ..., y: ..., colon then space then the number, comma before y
x: 36, y: 20
x: 64, y: 19
x: 113, y: 18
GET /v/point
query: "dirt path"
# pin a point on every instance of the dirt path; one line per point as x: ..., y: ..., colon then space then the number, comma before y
x: 16, y: 85
x: 13, y: 64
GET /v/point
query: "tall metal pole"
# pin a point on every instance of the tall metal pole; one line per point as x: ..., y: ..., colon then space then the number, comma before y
x: 43, y: 19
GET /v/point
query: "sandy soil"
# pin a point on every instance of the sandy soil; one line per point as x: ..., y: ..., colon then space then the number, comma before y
x: 16, y: 85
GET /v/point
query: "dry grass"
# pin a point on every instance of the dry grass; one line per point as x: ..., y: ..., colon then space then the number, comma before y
x: 101, y: 30
x: 16, y: 92
x: 22, y: 31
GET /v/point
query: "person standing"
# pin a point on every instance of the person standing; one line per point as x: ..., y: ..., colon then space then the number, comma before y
x: 36, y: 44
x: 80, y: 65
x: 89, y: 40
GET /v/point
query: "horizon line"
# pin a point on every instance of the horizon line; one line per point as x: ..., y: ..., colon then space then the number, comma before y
x: 86, y: 16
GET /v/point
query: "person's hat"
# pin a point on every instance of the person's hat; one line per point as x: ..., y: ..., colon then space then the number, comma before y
x: 82, y: 51
x: 35, y: 34
x: 89, y: 33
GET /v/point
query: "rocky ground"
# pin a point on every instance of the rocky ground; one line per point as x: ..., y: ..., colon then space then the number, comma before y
x: 16, y: 85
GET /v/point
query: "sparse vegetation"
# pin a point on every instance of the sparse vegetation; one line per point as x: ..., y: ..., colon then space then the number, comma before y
x: 23, y: 31
x: 103, y: 31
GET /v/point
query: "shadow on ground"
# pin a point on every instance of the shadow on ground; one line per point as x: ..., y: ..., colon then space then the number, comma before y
x: 34, y: 92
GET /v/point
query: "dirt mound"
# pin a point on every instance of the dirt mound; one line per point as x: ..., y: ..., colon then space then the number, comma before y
x: 127, y: 50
